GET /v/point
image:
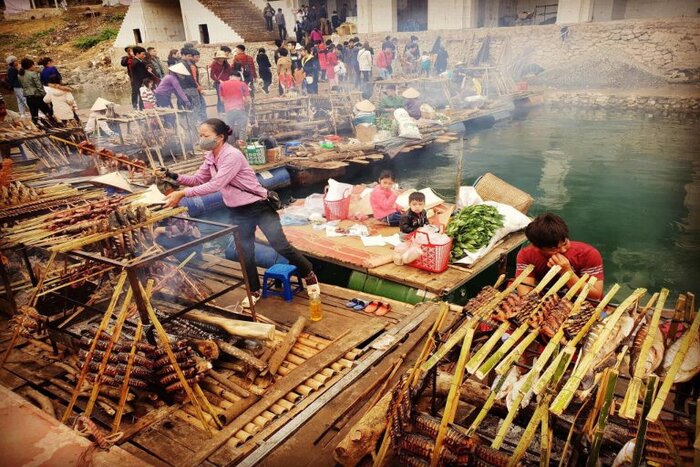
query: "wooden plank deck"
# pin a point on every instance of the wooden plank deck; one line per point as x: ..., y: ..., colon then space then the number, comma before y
x: 171, y: 435
x: 349, y: 252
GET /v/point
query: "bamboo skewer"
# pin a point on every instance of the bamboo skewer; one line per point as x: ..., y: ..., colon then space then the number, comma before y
x: 452, y: 397
x: 688, y: 338
x: 487, y: 366
x: 652, y: 384
x: 561, y: 402
x: 628, y: 409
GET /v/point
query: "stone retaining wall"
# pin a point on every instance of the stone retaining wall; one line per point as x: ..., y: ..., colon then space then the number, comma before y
x: 606, y: 101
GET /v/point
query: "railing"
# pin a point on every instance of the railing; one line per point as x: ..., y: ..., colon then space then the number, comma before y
x: 545, y: 11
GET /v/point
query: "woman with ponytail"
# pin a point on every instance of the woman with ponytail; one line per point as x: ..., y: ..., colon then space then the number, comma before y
x: 226, y: 170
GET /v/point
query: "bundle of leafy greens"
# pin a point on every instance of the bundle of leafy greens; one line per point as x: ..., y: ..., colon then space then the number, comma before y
x: 472, y: 228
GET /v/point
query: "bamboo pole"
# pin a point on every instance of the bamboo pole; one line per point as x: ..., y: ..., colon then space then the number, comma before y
x: 127, y: 376
x: 165, y: 343
x: 113, y: 338
x: 103, y: 325
x: 677, y: 318
x: 607, y: 390
x: 628, y: 409
x: 652, y: 384
x: 452, y: 397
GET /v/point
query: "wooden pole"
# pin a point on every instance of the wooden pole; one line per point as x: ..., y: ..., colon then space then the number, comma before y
x: 458, y: 174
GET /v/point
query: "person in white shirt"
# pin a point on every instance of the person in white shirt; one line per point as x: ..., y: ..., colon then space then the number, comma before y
x: 364, y: 60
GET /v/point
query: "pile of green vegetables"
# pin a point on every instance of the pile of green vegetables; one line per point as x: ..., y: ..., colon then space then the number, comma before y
x: 472, y: 228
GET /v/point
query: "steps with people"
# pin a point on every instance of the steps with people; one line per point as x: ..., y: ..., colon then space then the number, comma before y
x: 244, y: 17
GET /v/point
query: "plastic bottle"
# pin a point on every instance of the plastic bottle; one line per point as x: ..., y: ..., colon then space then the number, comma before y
x: 315, y: 309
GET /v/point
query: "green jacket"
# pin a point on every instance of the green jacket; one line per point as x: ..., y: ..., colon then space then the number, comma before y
x: 391, y: 103
x: 31, y: 84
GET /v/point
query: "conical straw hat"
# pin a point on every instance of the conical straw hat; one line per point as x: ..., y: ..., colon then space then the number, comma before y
x: 180, y: 69
x: 114, y: 179
x: 410, y: 93
x: 101, y: 104
x: 365, y: 106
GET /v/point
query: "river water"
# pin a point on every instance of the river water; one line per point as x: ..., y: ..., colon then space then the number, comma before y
x: 628, y: 184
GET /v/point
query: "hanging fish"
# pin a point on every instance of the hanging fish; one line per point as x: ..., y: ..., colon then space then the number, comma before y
x: 691, y: 363
x: 656, y: 353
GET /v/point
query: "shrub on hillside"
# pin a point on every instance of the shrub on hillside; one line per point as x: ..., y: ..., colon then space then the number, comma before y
x: 87, y: 42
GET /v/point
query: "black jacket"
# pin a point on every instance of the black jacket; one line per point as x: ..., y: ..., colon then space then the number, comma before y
x: 410, y: 221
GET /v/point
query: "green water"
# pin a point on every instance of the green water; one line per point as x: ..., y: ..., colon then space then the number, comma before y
x: 627, y: 183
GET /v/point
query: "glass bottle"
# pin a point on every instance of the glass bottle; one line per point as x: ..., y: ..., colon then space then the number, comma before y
x: 315, y: 309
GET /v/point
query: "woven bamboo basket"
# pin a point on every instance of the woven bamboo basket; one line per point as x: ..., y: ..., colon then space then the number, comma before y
x: 492, y: 188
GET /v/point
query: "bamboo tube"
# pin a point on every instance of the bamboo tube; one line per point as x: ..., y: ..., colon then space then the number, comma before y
x: 221, y: 379
x: 283, y: 371
x: 320, y: 378
x: 286, y: 404
x: 311, y: 351
x: 304, y: 390
x: 313, y: 384
x: 607, y: 390
x: 103, y: 325
x: 268, y: 415
x: 206, y: 419
x: 452, y: 397
x: 628, y: 409
x: 248, y: 386
x: 251, y: 428
x: 301, y: 353
x: 545, y: 441
x: 311, y: 343
x: 328, y: 372
x: 241, y: 355
x: 260, y: 421
x: 677, y: 318
x: 208, y: 407
x: 292, y: 396
x: 652, y: 384
x: 655, y: 410
x: 295, y: 359
x: 242, y: 436
x: 212, y: 386
x: 277, y: 409
x: 233, y: 366
x: 488, y: 365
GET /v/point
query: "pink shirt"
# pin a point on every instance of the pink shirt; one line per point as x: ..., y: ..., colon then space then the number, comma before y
x: 383, y: 202
x: 226, y: 173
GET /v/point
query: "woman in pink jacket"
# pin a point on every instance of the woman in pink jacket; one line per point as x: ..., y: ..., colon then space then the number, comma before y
x: 226, y: 170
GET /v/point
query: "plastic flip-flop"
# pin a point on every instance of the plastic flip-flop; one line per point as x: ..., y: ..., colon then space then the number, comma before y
x: 383, y: 309
x: 372, y: 307
x: 360, y: 305
x: 352, y: 303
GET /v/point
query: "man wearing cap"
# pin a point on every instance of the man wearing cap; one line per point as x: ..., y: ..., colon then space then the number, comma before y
x: 219, y: 71
x: 13, y: 82
x: 412, y: 104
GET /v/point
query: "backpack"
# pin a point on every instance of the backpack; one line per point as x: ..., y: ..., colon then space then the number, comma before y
x: 247, y: 72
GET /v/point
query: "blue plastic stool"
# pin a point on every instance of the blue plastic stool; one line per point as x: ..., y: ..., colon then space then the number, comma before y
x: 281, y: 273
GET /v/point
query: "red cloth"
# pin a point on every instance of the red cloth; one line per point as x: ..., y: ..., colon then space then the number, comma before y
x: 384, y: 59
x: 244, y: 59
x: 233, y: 93
x: 584, y: 259
x: 219, y: 71
x: 331, y: 62
x: 383, y: 202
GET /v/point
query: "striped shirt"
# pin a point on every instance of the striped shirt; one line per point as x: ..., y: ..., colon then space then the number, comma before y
x: 583, y: 257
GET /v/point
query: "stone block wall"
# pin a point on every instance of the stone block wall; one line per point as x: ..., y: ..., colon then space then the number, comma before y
x: 664, y: 105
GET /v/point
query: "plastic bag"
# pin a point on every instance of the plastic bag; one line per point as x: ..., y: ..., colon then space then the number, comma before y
x: 337, y: 190
x: 513, y: 221
x: 314, y: 203
x: 468, y: 196
x: 407, y: 125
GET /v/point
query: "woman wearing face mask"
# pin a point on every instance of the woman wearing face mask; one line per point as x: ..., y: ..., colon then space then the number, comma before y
x: 226, y: 170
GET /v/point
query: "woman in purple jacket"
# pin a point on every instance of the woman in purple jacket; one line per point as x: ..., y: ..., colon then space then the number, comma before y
x: 170, y: 85
x: 226, y: 170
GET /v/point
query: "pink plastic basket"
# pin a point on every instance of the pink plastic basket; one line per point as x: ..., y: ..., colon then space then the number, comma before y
x: 435, y: 258
x: 336, y: 210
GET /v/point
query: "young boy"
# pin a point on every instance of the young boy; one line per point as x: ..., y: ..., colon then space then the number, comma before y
x: 383, y: 200
x: 415, y: 217
x: 549, y: 246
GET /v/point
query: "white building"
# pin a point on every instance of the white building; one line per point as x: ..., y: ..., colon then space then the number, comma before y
x: 212, y: 21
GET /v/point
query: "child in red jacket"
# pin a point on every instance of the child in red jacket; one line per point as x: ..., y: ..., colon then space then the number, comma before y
x: 383, y: 200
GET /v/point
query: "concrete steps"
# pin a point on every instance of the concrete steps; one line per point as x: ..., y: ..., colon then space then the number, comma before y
x: 244, y: 17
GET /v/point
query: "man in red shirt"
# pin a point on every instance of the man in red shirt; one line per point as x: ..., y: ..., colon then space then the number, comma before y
x: 236, y: 97
x: 246, y: 64
x: 550, y: 245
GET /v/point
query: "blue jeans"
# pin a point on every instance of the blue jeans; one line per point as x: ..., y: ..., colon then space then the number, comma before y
x: 392, y: 219
x: 21, y: 101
